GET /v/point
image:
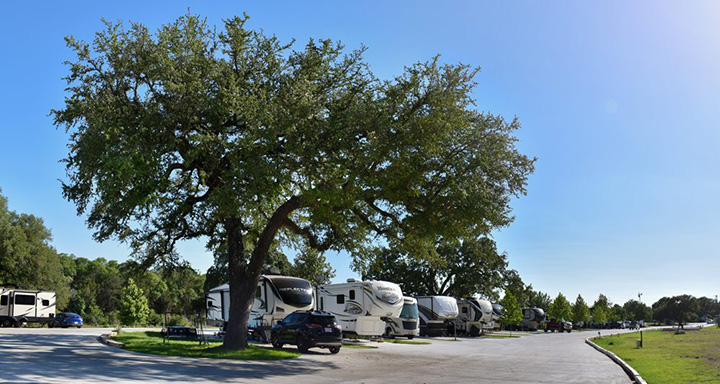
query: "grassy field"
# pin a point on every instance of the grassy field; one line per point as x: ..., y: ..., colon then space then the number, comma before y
x: 152, y: 342
x: 400, y: 341
x: 669, y: 358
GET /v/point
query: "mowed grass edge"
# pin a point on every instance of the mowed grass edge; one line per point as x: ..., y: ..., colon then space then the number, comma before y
x: 670, y: 358
x: 152, y: 343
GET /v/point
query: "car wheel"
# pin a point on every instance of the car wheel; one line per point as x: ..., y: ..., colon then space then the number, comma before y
x: 275, y: 342
x: 79, y: 326
x: 301, y: 344
x: 334, y: 350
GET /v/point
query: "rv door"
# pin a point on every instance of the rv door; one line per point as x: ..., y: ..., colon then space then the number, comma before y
x: 5, y: 304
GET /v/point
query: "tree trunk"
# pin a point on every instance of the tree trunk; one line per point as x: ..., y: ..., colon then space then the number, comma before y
x: 241, y: 288
x: 244, y: 276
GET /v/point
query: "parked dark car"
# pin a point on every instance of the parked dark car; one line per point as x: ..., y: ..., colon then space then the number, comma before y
x: 66, y: 319
x: 308, y: 329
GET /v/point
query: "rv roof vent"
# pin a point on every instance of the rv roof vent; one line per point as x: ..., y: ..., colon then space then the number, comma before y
x: 352, y: 280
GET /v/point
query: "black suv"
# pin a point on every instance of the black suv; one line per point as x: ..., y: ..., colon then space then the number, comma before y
x: 306, y: 330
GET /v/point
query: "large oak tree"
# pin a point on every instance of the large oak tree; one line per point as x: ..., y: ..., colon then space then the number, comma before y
x: 238, y: 138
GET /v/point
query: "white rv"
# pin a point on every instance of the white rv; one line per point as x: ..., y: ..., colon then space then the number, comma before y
x: 436, y: 315
x: 361, y: 307
x: 408, y: 323
x: 497, y: 313
x: 276, y: 297
x: 532, y: 319
x: 474, y: 316
x: 21, y: 306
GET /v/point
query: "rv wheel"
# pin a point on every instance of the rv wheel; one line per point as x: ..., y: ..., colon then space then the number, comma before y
x: 474, y: 331
x: 388, y: 333
x: 410, y: 337
x: 8, y: 323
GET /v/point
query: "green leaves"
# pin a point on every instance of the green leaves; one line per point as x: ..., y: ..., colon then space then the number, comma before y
x: 133, y: 305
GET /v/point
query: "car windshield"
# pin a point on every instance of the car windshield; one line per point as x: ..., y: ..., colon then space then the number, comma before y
x: 409, y: 311
x: 293, y: 291
x: 72, y: 315
x: 321, y: 320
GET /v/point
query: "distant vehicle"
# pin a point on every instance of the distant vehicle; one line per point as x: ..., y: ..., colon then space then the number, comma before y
x: 473, y: 316
x: 21, y: 306
x: 532, y: 319
x: 361, y: 307
x: 437, y: 314
x: 66, y: 319
x: 497, y: 313
x: 276, y: 296
x: 308, y: 329
x: 616, y: 325
x: 408, y: 323
x: 558, y: 325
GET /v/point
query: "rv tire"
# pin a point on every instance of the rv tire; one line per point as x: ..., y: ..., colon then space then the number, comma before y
x: 334, y: 350
x: 474, y: 331
x: 410, y: 337
x: 8, y: 323
x: 388, y: 333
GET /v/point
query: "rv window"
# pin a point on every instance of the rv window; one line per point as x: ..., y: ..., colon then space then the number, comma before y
x: 257, y: 292
x: 46, y: 303
x: 321, y: 303
x: 24, y: 300
x: 340, y: 299
x: 3, y: 300
x: 352, y: 294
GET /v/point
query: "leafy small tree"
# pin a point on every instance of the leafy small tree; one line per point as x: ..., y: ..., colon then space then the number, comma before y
x: 580, y: 311
x: 636, y: 310
x: 599, y: 315
x: 133, y: 305
x: 312, y: 265
x: 560, y: 308
x: 539, y: 299
x: 511, y: 312
x: 617, y: 313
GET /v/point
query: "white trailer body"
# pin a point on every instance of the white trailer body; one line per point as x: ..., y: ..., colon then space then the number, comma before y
x: 276, y: 297
x: 361, y: 307
x: 532, y: 319
x: 20, y: 306
x: 408, y: 323
x: 436, y: 314
x: 472, y: 317
x: 497, y: 313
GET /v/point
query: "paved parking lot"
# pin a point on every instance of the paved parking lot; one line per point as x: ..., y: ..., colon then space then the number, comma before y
x: 75, y: 355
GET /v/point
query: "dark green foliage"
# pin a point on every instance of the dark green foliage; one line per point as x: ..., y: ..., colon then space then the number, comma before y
x: 461, y: 269
x: 580, y: 311
x: 679, y: 309
x: 231, y: 136
x: 311, y: 265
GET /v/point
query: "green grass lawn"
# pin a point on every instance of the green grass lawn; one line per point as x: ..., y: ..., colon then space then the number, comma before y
x: 669, y: 358
x: 152, y: 342
x: 500, y: 336
x: 359, y: 346
x: 400, y: 341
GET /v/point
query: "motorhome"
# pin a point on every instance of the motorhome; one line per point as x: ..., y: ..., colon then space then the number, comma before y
x: 408, y: 323
x: 21, y: 306
x: 473, y: 316
x: 532, y: 319
x: 276, y: 297
x: 361, y: 307
x: 436, y: 315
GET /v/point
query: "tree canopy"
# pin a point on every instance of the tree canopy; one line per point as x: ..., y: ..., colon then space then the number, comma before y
x: 463, y: 269
x: 560, y: 308
x: 511, y: 311
x: 239, y: 138
x: 580, y: 311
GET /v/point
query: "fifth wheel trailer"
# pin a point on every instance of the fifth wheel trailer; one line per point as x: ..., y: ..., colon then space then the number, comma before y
x: 436, y: 315
x: 361, y: 307
x: 21, y: 306
x: 276, y: 297
x: 474, y: 316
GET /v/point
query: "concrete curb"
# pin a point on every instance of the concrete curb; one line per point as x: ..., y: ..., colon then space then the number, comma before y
x: 634, y: 375
x: 105, y: 339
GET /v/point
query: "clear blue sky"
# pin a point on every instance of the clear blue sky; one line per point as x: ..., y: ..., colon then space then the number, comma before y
x: 620, y: 102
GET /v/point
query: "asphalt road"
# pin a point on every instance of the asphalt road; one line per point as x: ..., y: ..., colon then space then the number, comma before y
x: 74, y: 355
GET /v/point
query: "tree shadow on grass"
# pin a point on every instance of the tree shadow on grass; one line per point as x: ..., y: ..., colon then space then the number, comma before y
x: 81, y: 358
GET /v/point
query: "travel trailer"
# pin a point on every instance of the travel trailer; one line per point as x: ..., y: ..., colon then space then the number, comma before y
x: 473, y: 316
x: 408, y: 323
x: 276, y: 297
x: 21, y: 306
x: 532, y: 319
x: 497, y: 313
x: 436, y: 315
x: 361, y: 307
